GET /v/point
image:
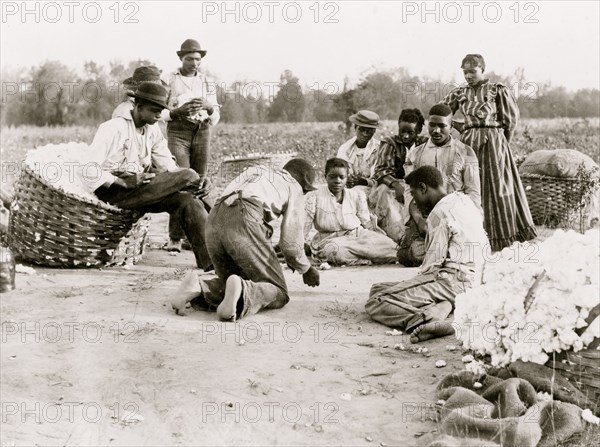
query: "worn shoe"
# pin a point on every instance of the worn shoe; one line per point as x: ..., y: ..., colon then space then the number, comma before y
x: 174, y: 245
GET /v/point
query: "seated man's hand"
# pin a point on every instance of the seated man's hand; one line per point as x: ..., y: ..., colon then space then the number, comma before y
x: 356, y: 180
x: 311, y: 278
x: 418, y: 218
x: 307, y: 249
x: 205, y: 188
x: 131, y: 181
x: 399, y: 191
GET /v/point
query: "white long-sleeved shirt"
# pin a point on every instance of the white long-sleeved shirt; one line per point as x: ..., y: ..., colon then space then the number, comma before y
x: 119, y: 147
x: 328, y: 216
x: 455, y: 236
x: 186, y: 88
x: 281, y: 195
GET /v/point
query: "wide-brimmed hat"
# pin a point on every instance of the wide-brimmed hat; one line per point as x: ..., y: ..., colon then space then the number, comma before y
x: 303, y: 172
x: 151, y: 92
x: 148, y: 73
x: 365, y: 118
x: 191, y: 46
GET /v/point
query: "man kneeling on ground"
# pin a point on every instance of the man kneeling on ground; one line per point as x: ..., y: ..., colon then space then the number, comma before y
x: 453, y: 261
x: 249, y: 276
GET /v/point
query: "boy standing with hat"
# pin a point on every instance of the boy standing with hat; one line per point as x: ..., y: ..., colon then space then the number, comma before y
x: 135, y: 170
x: 249, y: 276
x: 193, y: 110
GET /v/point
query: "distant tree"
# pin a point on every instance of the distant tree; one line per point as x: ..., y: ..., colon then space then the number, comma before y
x: 242, y: 103
x: 288, y: 104
x: 345, y: 105
x: 46, y: 96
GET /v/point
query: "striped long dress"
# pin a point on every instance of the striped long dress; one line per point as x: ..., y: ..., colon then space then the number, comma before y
x: 490, y: 109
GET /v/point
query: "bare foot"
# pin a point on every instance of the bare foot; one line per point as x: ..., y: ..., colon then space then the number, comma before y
x: 227, y: 310
x: 187, y: 291
x: 433, y: 329
x: 174, y: 245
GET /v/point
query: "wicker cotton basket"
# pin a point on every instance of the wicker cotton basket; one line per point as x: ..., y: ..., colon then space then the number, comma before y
x: 551, y: 199
x: 53, y: 228
x: 235, y: 165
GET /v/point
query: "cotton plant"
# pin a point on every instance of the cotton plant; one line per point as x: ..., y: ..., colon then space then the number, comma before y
x: 494, y: 317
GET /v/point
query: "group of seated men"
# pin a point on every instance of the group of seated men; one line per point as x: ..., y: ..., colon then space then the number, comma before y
x: 440, y: 192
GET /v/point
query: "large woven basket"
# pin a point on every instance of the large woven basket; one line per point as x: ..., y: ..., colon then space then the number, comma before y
x: 234, y: 166
x: 551, y: 199
x: 53, y: 228
x: 582, y: 368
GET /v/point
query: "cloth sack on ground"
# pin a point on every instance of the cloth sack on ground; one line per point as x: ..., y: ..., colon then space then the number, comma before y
x: 503, y: 412
x: 544, y: 380
x: 562, y: 163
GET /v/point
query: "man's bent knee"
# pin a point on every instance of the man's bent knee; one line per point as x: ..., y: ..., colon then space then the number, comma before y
x: 185, y: 176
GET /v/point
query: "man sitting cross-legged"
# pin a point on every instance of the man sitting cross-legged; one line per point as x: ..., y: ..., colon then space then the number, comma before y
x: 453, y: 261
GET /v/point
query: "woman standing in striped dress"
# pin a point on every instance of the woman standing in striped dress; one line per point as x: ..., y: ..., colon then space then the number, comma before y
x: 491, y: 114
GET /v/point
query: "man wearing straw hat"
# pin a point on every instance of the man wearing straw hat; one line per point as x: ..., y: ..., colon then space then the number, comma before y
x: 130, y: 166
x: 193, y: 111
x: 249, y: 276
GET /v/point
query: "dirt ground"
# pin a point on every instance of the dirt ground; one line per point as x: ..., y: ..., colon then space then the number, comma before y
x: 97, y: 357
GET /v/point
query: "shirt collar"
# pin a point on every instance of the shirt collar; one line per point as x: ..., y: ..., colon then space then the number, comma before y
x: 333, y: 196
x: 431, y: 144
x: 128, y: 117
x: 178, y: 73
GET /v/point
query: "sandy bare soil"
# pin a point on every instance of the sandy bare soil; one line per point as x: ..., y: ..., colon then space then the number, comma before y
x: 97, y: 357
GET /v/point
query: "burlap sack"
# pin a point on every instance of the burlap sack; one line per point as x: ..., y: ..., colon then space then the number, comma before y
x: 562, y: 163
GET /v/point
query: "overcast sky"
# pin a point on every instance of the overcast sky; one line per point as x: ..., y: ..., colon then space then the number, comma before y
x: 555, y: 41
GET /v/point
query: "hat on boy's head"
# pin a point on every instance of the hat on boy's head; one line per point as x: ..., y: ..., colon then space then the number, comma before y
x: 303, y: 172
x: 191, y: 46
x: 143, y: 74
x: 476, y: 60
x: 365, y: 118
x: 151, y: 92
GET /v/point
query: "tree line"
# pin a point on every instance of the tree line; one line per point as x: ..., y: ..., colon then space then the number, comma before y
x: 54, y: 94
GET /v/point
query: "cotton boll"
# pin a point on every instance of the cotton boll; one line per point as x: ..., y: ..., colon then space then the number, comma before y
x: 561, y: 302
x: 57, y: 164
x: 593, y: 331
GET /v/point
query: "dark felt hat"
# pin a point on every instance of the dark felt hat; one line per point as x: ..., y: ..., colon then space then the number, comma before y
x: 365, y: 118
x: 303, y: 172
x: 154, y: 93
x: 191, y: 46
x: 143, y: 74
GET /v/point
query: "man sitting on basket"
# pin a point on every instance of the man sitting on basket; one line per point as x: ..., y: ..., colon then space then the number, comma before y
x: 130, y: 166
